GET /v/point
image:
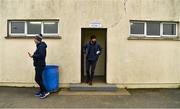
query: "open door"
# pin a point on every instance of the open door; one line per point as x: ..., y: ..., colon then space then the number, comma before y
x: 101, y: 35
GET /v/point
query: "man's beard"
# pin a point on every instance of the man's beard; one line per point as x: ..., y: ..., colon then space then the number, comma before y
x: 93, y: 42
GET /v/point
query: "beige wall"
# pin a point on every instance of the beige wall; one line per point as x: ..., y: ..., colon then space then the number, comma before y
x: 128, y: 62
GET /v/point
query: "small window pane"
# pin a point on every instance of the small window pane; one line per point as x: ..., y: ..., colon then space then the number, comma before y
x: 50, y: 27
x: 137, y: 28
x: 33, y: 27
x: 169, y: 29
x: 153, y: 28
x: 17, y: 27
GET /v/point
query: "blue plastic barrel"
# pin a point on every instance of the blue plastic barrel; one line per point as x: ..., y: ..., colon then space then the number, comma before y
x: 51, y: 78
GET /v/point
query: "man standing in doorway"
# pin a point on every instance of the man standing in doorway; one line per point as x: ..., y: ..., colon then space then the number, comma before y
x: 39, y: 58
x: 92, y: 50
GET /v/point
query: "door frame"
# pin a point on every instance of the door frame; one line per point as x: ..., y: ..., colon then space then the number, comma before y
x: 82, y: 54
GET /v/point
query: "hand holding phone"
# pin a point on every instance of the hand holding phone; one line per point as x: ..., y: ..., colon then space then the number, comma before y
x: 30, y: 55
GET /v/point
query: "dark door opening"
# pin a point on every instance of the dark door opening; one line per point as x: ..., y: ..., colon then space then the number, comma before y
x: 101, y: 35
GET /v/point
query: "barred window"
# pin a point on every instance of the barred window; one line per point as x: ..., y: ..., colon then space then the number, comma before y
x: 153, y: 29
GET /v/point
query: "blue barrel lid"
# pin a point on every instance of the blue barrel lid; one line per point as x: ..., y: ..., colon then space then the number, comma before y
x: 52, y: 66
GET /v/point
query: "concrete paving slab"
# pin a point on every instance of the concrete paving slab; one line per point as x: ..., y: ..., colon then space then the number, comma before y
x: 118, y: 92
x: 12, y: 97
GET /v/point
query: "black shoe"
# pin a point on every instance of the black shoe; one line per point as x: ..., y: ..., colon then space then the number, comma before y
x: 87, y: 81
x: 44, y: 95
x: 38, y: 94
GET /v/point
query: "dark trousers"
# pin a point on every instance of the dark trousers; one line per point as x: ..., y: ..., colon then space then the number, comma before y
x: 39, y: 79
x: 90, y: 68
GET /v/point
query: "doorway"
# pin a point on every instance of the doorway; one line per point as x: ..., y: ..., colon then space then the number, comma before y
x: 100, y: 71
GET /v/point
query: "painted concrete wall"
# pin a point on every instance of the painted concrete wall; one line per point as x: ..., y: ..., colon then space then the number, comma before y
x: 129, y: 63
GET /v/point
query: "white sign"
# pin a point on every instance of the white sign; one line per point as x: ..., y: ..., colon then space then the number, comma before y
x: 95, y: 25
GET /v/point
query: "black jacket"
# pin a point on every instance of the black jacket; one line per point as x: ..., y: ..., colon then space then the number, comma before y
x: 39, y: 55
x: 91, y: 51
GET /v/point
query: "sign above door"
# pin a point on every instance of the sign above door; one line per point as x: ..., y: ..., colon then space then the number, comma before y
x: 95, y: 25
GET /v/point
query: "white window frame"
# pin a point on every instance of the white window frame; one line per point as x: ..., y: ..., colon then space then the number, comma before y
x: 140, y: 35
x: 25, y: 29
x: 17, y: 34
x: 153, y: 35
x: 145, y: 30
x: 162, y: 29
x: 33, y: 34
x: 49, y: 34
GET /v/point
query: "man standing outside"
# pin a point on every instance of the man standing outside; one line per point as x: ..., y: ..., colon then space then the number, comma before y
x: 92, y: 50
x: 39, y: 63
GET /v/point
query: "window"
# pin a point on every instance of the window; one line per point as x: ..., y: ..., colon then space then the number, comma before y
x: 50, y: 27
x: 153, y: 29
x: 169, y: 29
x: 31, y: 28
x: 17, y: 27
x: 137, y: 28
